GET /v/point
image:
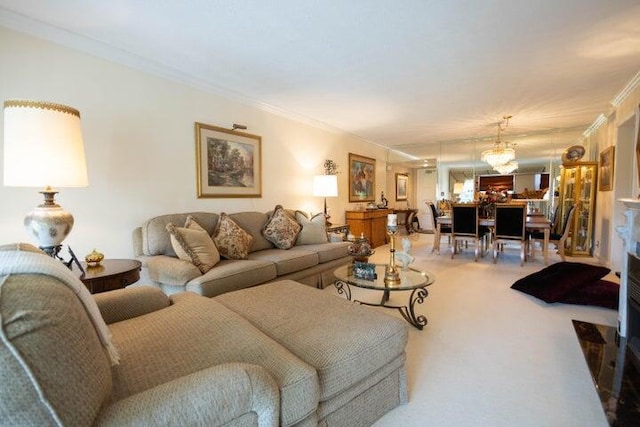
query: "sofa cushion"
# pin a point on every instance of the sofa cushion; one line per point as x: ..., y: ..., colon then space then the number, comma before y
x: 230, y: 275
x: 287, y: 261
x: 195, y: 333
x: 281, y: 229
x: 314, y: 229
x: 192, y: 243
x: 326, y: 251
x: 253, y: 223
x: 155, y: 239
x: 350, y: 343
x: 232, y: 241
x: 552, y: 283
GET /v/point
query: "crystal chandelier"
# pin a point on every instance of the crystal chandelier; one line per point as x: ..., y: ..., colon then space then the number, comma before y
x: 506, y: 168
x: 501, y: 153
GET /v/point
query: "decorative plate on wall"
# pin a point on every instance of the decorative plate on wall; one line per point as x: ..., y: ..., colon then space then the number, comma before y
x: 573, y: 154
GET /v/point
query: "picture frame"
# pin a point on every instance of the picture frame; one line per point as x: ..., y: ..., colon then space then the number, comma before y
x: 605, y: 175
x: 362, y: 178
x: 402, y: 182
x: 228, y: 163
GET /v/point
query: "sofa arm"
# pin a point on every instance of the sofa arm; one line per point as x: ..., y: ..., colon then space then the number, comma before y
x: 171, y: 271
x: 211, y: 397
x: 122, y: 304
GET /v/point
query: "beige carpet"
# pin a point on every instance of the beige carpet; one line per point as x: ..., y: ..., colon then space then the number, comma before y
x: 492, y: 356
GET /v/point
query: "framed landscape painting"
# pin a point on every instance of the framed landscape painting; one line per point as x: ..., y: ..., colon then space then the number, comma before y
x: 228, y: 163
x: 402, y: 179
x: 606, y: 169
x: 362, y: 178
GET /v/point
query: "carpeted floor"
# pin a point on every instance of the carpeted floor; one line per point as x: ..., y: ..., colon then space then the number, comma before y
x: 490, y: 355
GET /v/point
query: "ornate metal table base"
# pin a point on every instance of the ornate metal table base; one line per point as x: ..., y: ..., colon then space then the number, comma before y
x: 418, y: 296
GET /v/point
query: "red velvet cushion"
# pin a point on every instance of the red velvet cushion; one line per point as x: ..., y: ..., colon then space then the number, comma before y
x: 601, y: 293
x: 556, y: 281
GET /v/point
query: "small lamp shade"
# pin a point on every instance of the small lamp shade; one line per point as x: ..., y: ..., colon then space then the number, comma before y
x: 43, y: 145
x: 458, y: 187
x: 325, y: 186
x: 43, y: 148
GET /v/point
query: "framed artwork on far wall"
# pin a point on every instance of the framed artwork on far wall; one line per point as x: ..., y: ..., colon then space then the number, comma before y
x: 228, y: 163
x: 362, y: 178
x: 606, y: 169
x: 402, y: 180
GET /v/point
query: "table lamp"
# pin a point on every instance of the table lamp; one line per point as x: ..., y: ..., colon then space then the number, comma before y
x: 43, y: 148
x: 325, y: 186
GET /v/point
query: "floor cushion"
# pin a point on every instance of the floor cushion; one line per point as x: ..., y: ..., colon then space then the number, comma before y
x: 554, y: 282
x: 601, y: 293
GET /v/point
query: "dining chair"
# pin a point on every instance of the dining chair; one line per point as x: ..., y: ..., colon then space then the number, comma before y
x: 444, y: 228
x: 510, y: 226
x: 558, y: 239
x: 465, y: 228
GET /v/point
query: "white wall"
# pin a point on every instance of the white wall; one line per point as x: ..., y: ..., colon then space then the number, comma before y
x: 140, y: 145
x: 618, y: 131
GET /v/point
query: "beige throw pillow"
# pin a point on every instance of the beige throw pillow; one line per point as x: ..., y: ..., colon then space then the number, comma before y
x: 192, y: 243
x: 281, y: 229
x: 313, y: 231
x: 232, y: 241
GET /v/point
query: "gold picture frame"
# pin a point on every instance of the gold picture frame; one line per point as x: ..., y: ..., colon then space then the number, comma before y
x: 362, y: 178
x: 228, y: 163
x: 605, y: 182
x: 402, y: 182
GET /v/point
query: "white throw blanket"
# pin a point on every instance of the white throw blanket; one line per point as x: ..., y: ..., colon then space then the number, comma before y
x: 25, y: 262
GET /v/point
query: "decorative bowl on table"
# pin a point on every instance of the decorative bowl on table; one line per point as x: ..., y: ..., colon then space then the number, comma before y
x: 361, y: 250
x: 94, y: 258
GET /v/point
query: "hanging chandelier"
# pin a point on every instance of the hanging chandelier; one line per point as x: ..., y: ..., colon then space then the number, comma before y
x: 506, y: 168
x: 501, y: 153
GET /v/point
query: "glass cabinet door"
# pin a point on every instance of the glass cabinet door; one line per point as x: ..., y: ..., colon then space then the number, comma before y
x: 578, y: 183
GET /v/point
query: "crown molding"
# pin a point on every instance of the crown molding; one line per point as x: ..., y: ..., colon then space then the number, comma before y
x: 628, y: 89
x: 23, y: 24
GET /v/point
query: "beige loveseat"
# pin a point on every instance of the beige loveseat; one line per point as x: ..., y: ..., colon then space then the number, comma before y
x: 275, y: 354
x: 311, y: 261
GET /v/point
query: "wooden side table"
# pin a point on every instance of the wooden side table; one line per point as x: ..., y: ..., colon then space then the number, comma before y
x: 110, y: 274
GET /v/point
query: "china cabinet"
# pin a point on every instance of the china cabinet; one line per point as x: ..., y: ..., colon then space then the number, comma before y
x: 577, y: 188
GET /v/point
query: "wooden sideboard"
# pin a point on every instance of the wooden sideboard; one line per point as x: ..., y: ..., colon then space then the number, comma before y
x: 371, y: 223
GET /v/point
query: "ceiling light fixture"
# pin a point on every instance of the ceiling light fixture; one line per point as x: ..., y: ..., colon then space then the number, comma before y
x: 501, y: 153
x: 507, y: 168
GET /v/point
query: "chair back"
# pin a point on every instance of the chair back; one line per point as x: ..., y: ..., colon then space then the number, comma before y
x: 53, y: 368
x: 464, y: 219
x: 555, y: 220
x: 511, y: 219
x: 568, y: 220
x: 411, y: 218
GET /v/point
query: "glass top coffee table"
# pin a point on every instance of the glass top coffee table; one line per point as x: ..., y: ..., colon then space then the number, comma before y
x: 411, y: 279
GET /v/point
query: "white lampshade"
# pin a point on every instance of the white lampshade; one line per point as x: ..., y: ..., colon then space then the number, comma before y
x: 43, y: 148
x: 325, y: 186
x: 43, y: 145
x: 458, y: 187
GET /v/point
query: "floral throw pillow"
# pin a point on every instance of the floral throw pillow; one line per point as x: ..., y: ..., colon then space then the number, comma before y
x: 313, y: 231
x: 281, y: 229
x: 232, y: 241
x: 192, y: 243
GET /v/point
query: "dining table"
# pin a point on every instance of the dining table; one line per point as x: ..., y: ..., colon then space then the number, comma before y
x: 534, y: 222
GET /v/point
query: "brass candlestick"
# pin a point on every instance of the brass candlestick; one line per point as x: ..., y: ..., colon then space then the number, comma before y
x: 391, y: 275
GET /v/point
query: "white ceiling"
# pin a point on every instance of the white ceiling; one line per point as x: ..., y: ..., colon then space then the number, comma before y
x: 426, y: 78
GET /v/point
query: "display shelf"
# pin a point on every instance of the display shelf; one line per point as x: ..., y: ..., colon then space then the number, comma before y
x: 576, y: 189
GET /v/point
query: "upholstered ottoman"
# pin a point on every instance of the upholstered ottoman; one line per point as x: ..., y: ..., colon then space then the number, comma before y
x: 358, y: 352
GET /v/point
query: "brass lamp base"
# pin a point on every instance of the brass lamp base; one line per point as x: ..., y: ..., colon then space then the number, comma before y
x: 391, y: 275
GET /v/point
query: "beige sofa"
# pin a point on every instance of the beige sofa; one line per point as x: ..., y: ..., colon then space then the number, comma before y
x: 277, y: 354
x: 312, y: 264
